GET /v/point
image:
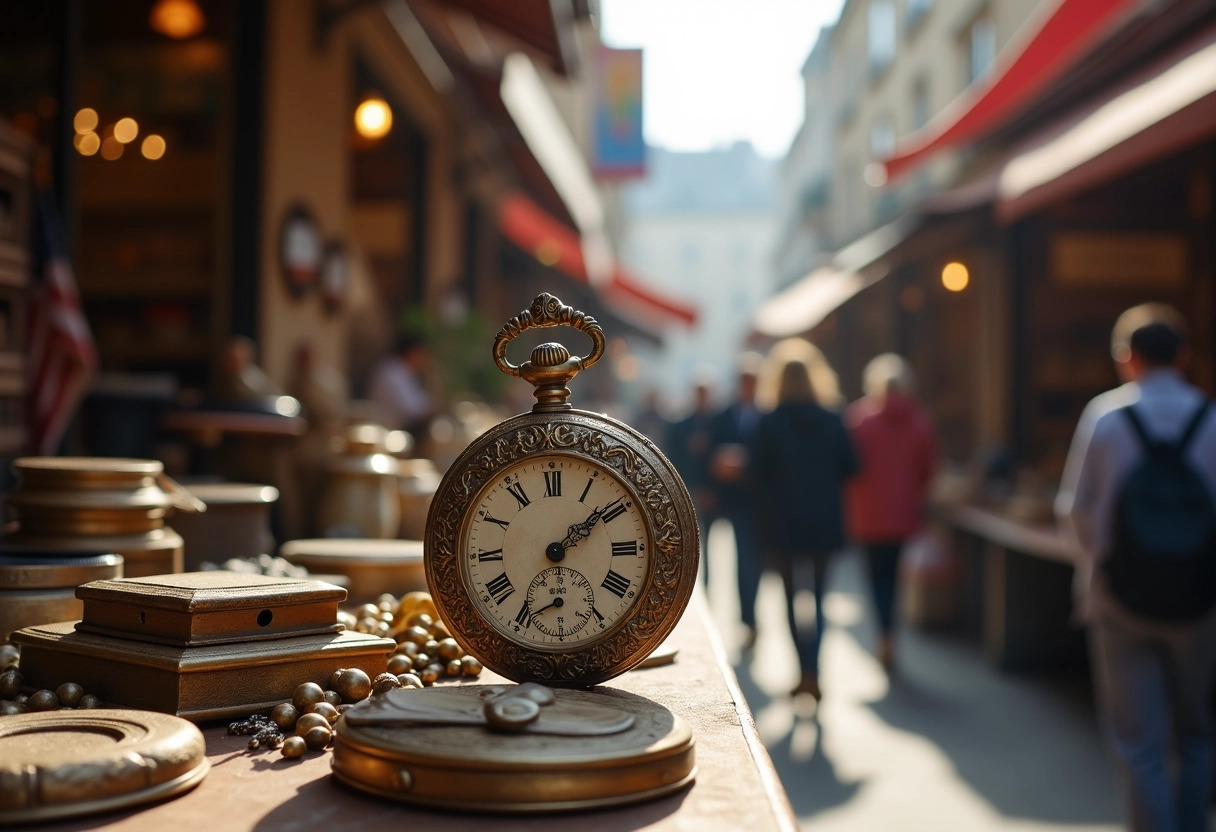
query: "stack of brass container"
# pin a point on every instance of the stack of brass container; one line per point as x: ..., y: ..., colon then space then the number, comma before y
x: 94, y: 504
x: 200, y: 645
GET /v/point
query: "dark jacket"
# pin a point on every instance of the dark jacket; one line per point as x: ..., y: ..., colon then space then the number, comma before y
x: 801, y: 458
x: 731, y: 427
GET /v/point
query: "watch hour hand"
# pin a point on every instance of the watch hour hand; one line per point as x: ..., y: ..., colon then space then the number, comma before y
x: 578, y: 531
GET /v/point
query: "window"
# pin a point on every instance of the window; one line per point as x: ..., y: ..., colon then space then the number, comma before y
x: 881, y: 35
x: 981, y: 48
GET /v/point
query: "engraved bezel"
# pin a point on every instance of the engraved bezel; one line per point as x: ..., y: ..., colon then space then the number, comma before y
x: 661, y: 498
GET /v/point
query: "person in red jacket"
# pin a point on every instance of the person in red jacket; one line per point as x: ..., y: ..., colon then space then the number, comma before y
x: 897, y: 450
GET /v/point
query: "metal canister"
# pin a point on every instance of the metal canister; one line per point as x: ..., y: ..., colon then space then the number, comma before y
x: 360, y: 498
x: 39, y: 587
x: 236, y: 523
x: 90, y: 504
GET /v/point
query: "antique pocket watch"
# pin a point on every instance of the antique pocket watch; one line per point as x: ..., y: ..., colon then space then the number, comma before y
x: 561, y: 545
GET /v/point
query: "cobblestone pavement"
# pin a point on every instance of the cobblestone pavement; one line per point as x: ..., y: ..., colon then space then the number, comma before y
x: 947, y: 743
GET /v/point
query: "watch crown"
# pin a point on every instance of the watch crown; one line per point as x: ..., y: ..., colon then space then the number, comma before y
x: 550, y: 355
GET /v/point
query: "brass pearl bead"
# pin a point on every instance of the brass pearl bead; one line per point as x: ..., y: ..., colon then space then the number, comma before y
x: 421, y: 659
x: 368, y: 625
x: 9, y: 654
x: 453, y: 668
x: 11, y: 683
x: 333, y: 697
x: 431, y: 648
x: 294, y: 747
x: 449, y: 649
x: 88, y: 702
x: 429, y: 675
x: 398, y: 664
x: 43, y: 700
x: 309, y: 721
x: 69, y: 694
x: 410, y: 680
x: 317, y: 738
x: 352, y: 684
x: 326, y: 710
x: 420, y: 619
x: 384, y: 683
x: 367, y: 611
x: 418, y: 635
x: 8, y: 708
x: 470, y: 665
x: 408, y: 648
x: 284, y: 715
x: 307, y: 695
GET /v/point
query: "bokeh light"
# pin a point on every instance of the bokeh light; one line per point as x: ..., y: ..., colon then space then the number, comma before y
x: 87, y: 144
x: 85, y: 120
x: 126, y: 130
x: 153, y: 146
x: 111, y: 149
x: 955, y: 276
x: 373, y: 118
x: 177, y: 18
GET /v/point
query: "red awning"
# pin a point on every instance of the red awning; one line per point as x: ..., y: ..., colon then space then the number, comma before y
x: 554, y: 243
x: 545, y: 26
x: 1052, y: 40
x: 1161, y: 111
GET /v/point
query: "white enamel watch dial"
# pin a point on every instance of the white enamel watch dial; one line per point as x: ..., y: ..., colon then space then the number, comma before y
x: 556, y: 551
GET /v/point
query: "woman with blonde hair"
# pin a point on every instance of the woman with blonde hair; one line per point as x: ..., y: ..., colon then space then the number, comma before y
x: 886, y: 501
x: 801, y: 457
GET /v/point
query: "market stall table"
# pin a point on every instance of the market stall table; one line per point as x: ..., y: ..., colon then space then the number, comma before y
x: 736, y: 786
x: 1023, y: 573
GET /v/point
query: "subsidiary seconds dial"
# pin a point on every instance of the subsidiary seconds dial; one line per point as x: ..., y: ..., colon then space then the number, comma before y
x: 556, y: 552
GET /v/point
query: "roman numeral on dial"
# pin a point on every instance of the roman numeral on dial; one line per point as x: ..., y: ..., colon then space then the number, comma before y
x: 625, y: 547
x: 618, y: 585
x: 553, y: 483
x: 616, y: 512
x: 524, y: 619
x: 493, y: 554
x: 499, y: 588
x: 517, y: 491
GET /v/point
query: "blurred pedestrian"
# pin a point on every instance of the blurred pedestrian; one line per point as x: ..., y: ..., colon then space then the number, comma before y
x: 732, y: 431
x: 650, y: 420
x: 688, y: 445
x: 801, y: 457
x: 886, y: 500
x: 1137, y: 494
x: 397, y: 386
x: 241, y: 380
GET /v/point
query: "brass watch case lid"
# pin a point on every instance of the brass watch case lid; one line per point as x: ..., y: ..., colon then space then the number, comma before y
x: 196, y: 608
x: 62, y: 764
x: 470, y: 768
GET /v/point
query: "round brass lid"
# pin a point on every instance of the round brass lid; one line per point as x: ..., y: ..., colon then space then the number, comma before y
x: 471, y: 768
x: 22, y: 568
x: 352, y: 551
x: 66, y: 763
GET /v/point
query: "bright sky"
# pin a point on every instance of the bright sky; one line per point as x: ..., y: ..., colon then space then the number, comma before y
x: 716, y: 71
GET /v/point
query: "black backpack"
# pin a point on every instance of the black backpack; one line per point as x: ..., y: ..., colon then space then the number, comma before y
x: 1162, y: 562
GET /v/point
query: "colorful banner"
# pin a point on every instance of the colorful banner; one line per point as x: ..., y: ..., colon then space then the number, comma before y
x: 618, y: 150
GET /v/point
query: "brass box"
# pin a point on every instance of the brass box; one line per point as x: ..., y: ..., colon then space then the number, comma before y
x: 199, y: 683
x: 198, y: 608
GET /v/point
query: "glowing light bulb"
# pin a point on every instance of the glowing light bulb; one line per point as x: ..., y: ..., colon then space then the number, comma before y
x: 177, y: 19
x: 373, y: 118
x: 955, y: 277
x: 87, y: 144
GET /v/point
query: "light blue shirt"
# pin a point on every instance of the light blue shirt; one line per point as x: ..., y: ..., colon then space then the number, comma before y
x: 1105, y: 449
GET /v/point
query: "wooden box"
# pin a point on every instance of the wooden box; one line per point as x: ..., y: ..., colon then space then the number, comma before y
x: 199, y: 608
x: 215, y: 681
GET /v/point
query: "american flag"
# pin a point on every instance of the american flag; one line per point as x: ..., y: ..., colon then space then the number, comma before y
x: 62, y: 358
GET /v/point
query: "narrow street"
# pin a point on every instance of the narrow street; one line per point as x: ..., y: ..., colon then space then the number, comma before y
x: 949, y: 743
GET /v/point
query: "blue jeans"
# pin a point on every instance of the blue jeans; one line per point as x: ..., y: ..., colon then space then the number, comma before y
x: 882, y: 562
x: 748, y: 566
x: 1154, y: 684
x: 793, y: 570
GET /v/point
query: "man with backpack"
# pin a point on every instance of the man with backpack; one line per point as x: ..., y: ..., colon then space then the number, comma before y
x: 1137, y: 493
